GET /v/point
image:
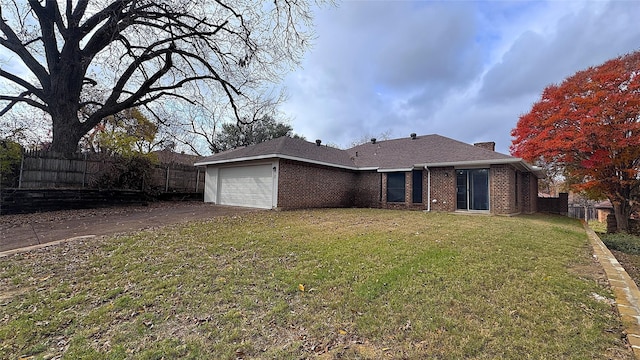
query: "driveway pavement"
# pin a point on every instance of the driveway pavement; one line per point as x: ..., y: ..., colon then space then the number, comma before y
x: 25, y: 230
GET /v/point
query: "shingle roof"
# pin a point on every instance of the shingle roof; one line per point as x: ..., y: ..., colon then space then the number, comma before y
x: 284, y: 147
x: 405, y: 153
x: 168, y: 156
x: 425, y: 149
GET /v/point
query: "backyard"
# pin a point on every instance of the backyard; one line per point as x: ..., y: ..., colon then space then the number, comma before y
x: 326, y: 284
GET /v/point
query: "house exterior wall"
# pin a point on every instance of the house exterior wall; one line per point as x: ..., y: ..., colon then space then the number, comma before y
x: 302, y: 185
x: 408, y: 193
x: 502, y: 190
x: 529, y: 190
x: 503, y: 198
x: 211, y: 184
x: 443, y: 189
x: 368, y: 189
x: 512, y: 191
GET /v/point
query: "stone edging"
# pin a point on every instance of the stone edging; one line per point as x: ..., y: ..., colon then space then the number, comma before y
x: 623, y: 287
x: 40, y: 246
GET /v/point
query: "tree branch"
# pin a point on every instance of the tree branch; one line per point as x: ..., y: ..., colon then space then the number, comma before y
x: 46, y: 16
x: 13, y: 43
x: 24, y: 83
x: 13, y: 100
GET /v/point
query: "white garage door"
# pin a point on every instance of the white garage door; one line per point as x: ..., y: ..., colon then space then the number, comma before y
x: 250, y: 186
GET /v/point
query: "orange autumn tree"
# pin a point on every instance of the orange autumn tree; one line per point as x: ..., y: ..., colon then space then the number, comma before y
x: 588, y: 128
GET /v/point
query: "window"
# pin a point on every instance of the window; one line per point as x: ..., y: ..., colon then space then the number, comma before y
x: 417, y: 186
x: 395, y: 187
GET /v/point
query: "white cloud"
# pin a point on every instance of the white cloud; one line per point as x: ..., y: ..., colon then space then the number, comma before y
x: 463, y: 70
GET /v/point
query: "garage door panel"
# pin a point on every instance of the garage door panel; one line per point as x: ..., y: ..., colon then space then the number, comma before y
x: 246, y: 186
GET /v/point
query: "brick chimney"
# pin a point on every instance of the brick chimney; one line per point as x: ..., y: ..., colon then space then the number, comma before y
x: 490, y: 145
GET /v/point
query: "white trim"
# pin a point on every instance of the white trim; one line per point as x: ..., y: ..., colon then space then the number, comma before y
x: 468, y: 164
x: 279, y: 156
x: 395, y: 170
x: 479, y: 163
x: 260, y: 157
x: 473, y: 162
x: 275, y: 178
x: 211, y: 185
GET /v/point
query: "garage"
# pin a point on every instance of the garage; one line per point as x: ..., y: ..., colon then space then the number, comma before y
x: 250, y: 186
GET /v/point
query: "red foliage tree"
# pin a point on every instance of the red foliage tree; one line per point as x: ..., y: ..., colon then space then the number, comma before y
x: 589, y: 126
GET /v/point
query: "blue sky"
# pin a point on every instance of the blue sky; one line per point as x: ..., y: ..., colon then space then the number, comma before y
x: 466, y: 70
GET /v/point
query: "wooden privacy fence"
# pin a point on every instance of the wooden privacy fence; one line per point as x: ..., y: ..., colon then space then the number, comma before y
x: 40, y: 170
x: 554, y: 205
x: 586, y: 213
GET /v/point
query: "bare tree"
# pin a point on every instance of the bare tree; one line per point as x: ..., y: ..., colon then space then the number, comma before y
x: 132, y: 53
x: 197, y: 129
x: 26, y: 127
x: 385, y: 135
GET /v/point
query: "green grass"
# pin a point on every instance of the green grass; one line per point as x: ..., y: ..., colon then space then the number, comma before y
x: 598, y: 227
x: 377, y: 284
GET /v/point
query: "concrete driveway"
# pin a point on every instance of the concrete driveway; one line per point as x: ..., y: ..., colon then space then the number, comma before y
x: 25, y: 230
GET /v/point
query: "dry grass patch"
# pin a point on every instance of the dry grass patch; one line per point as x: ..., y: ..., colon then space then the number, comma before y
x: 342, y: 284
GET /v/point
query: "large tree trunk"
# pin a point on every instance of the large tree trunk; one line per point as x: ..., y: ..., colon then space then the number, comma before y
x: 67, y: 132
x: 622, y: 211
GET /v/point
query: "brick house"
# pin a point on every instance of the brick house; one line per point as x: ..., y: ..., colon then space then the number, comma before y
x: 428, y: 172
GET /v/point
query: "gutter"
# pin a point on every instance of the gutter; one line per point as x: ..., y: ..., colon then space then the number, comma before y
x: 428, y: 189
x: 513, y: 161
x: 277, y: 156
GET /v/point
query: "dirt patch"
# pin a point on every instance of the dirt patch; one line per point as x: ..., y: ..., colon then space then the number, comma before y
x: 592, y: 271
x: 22, y: 230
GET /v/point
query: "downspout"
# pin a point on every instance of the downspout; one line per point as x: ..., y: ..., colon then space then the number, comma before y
x: 428, y: 189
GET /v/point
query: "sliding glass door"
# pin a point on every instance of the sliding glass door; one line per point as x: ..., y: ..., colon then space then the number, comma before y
x: 472, y: 189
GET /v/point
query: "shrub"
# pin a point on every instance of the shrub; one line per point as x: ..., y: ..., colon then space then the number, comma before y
x: 125, y: 173
x: 626, y: 243
x: 10, y: 157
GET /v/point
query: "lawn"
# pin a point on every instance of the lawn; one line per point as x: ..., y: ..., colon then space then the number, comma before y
x: 326, y: 284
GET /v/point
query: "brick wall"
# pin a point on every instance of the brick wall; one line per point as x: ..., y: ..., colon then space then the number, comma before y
x: 502, y: 189
x: 443, y: 189
x: 408, y: 193
x: 303, y: 185
x: 368, y: 189
x: 529, y: 190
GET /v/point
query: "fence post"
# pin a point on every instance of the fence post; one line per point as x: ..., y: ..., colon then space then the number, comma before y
x: 84, y: 173
x: 21, y: 169
x: 197, y: 180
x: 166, y: 186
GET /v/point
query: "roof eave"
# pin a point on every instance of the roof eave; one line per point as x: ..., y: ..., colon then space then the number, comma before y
x: 242, y: 159
x: 396, y: 170
x: 518, y: 162
x: 276, y: 156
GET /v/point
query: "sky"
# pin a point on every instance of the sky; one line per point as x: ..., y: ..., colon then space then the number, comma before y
x: 461, y: 69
